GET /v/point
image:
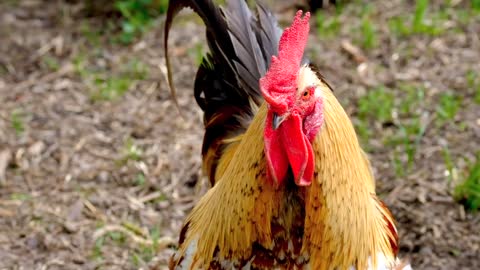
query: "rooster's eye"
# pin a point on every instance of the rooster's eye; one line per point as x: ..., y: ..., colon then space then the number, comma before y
x: 306, y: 94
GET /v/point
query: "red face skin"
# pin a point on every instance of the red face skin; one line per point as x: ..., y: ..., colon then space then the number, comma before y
x: 288, y: 136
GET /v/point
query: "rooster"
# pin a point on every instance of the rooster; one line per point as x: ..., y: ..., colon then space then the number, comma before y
x: 292, y: 189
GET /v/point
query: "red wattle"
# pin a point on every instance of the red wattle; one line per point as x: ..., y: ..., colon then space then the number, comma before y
x: 274, y: 152
x: 288, y: 146
x: 298, y: 148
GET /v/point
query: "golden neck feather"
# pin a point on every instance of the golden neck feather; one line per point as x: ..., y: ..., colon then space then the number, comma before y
x: 344, y: 217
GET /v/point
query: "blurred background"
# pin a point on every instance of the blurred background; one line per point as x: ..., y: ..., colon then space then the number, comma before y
x: 98, y: 170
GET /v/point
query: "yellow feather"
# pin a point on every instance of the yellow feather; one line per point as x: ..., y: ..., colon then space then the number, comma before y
x: 345, y: 226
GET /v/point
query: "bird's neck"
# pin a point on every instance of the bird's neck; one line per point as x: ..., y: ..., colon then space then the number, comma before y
x: 356, y: 225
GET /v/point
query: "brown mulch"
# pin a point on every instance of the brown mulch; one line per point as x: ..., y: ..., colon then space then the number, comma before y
x: 89, y: 183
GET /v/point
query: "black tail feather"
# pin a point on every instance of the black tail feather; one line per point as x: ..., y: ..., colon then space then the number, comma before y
x: 241, y: 45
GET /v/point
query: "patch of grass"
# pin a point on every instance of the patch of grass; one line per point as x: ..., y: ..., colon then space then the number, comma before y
x: 477, y: 95
x: 468, y: 192
x: 420, y: 23
x: 412, y: 97
x: 110, y: 87
x: 146, y: 252
x: 475, y: 5
x: 20, y: 196
x: 397, y: 25
x: 140, y: 180
x: 471, y: 78
x: 50, y: 62
x: 161, y: 198
x: 473, y: 82
x: 327, y: 25
x: 130, y: 152
x: 376, y: 104
x: 448, y: 106
x: 136, y: 70
x: 407, y: 137
x: 455, y: 252
x: 79, y: 65
x: 109, y: 84
x: 97, y: 253
x: 92, y: 34
x: 463, y: 16
x: 412, y: 133
x: 398, y: 164
x: 17, y: 119
x: 117, y: 237
x: 196, y: 53
x: 142, y: 253
x: 142, y: 256
x: 449, y: 164
x: 138, y: 16
x: 368, y: 32
x: 407, y: 140
x: 411, y: 128
x: 155, y: 236
x: 468, y: 14
x: 3, y: 69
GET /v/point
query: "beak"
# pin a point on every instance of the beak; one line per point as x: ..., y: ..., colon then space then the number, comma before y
x: 277, y: 120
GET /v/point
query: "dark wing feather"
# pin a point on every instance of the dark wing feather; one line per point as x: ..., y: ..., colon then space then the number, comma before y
x: 241, y: 45
x: 244, y: 41
x: 212, y: 18
x: 269, y: 34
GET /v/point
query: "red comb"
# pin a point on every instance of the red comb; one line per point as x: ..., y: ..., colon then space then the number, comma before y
x: 279, y: 83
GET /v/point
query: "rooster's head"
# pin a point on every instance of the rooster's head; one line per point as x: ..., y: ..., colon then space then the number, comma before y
x: 295, y: 107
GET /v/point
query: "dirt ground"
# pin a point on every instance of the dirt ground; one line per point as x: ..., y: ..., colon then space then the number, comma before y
x: 98, y: 170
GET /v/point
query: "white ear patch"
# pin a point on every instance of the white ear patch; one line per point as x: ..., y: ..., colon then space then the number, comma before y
x: 318, y: 92
x: 307, y: 77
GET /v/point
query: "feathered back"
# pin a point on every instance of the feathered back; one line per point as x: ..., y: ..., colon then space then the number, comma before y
x: 226, y: 85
